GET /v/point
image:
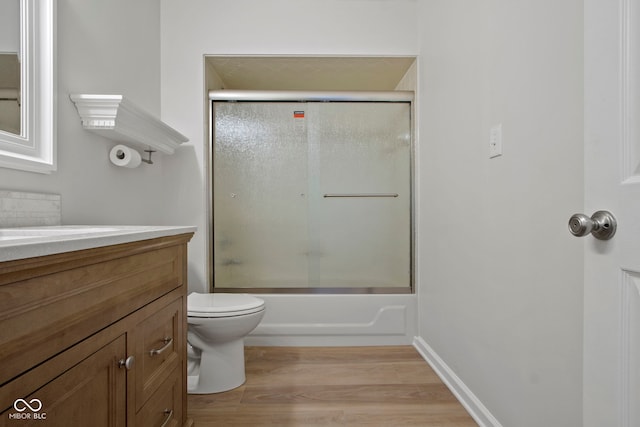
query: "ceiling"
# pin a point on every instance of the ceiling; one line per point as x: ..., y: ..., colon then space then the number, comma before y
x: 309, y: 73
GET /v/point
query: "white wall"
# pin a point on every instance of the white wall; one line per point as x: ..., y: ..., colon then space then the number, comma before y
x: 500, y: 288
x: 10, y: 26
x: 196, y: 28
x: 102, y: 48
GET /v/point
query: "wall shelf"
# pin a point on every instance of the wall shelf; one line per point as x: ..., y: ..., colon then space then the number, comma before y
x: 117, y: 118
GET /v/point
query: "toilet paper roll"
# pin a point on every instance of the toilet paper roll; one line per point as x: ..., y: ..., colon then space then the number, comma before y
x: 121, y: 155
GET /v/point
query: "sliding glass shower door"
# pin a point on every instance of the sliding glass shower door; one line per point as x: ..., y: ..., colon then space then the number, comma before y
x: 311, y: 196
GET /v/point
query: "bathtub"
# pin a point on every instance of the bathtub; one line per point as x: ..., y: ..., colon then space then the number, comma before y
x: 336, y: 320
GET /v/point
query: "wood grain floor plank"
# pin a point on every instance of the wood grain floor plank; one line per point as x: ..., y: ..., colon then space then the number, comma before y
x: 391, y: 419
x: 418, y: 372
x: 343, y: 386
x: 324, y: 355
x: 331, y: 373
x: 372, y: 393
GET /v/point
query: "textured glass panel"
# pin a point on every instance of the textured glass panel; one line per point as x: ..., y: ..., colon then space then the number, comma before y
x: 260, y: 181
x: 273, y: 165
x: 359, y: 149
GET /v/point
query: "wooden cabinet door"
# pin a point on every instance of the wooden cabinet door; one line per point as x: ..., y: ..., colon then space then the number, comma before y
x: 92, y: 393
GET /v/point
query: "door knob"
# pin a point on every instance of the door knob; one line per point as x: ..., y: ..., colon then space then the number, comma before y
x: 602, y: 225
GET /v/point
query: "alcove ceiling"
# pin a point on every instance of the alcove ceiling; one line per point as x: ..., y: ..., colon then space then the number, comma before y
x: 309, y: 73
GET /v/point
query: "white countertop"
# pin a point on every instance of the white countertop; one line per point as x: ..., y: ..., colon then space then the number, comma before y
x: 28, y: 242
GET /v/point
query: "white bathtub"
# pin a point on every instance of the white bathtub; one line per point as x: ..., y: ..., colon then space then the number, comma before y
x: 336, y: 320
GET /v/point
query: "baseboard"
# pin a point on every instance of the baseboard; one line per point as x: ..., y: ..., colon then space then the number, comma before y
x: 472, y: 404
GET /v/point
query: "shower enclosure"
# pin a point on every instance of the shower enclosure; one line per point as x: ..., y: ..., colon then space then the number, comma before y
x: 311, y: 192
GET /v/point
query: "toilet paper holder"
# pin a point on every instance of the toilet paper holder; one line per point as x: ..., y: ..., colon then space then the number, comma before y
x: 148, y: 161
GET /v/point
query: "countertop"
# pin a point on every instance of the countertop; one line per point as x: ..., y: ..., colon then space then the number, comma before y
x: 28, y: 242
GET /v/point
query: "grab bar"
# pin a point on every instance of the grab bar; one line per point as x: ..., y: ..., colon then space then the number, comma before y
x: 361, y: 195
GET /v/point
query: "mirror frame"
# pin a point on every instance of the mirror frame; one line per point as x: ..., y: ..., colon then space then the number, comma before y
x: 34, y: 149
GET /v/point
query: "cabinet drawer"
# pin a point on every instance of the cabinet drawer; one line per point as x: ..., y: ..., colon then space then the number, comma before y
x: 164, y: 407
x: 158, y: 349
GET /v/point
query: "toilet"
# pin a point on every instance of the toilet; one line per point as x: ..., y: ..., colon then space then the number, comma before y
x: 217, y: 325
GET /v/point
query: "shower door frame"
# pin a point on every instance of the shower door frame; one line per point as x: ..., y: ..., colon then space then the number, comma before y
x: 310, y: 96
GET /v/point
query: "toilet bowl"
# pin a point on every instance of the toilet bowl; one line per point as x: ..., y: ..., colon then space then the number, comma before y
x: 217, y: 325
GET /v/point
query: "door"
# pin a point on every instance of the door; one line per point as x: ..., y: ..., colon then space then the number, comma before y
x: 91, y: 393
x: 611, y: 386
x: 359, y: 195
x: 312, y: 196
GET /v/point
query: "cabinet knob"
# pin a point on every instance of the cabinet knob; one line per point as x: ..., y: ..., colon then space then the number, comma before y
x: 127, y: 363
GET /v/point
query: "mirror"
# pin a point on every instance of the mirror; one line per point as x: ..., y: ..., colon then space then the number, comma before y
x: 27, y: 85
x: 10, y: 66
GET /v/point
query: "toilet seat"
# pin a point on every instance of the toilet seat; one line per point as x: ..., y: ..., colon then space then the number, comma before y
x: 222, y: 305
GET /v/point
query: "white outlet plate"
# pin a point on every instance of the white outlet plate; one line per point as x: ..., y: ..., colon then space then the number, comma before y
x: 495, y: 141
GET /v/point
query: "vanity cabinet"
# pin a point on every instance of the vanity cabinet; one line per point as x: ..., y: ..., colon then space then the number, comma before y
x: 95, y: 337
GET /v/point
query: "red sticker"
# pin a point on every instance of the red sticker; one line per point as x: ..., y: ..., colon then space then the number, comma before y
x: 298, y: 114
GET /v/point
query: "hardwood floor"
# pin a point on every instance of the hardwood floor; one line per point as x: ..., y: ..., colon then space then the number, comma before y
x: 335, y: 386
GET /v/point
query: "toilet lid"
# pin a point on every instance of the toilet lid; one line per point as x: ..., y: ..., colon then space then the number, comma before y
x: 222, y: 305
